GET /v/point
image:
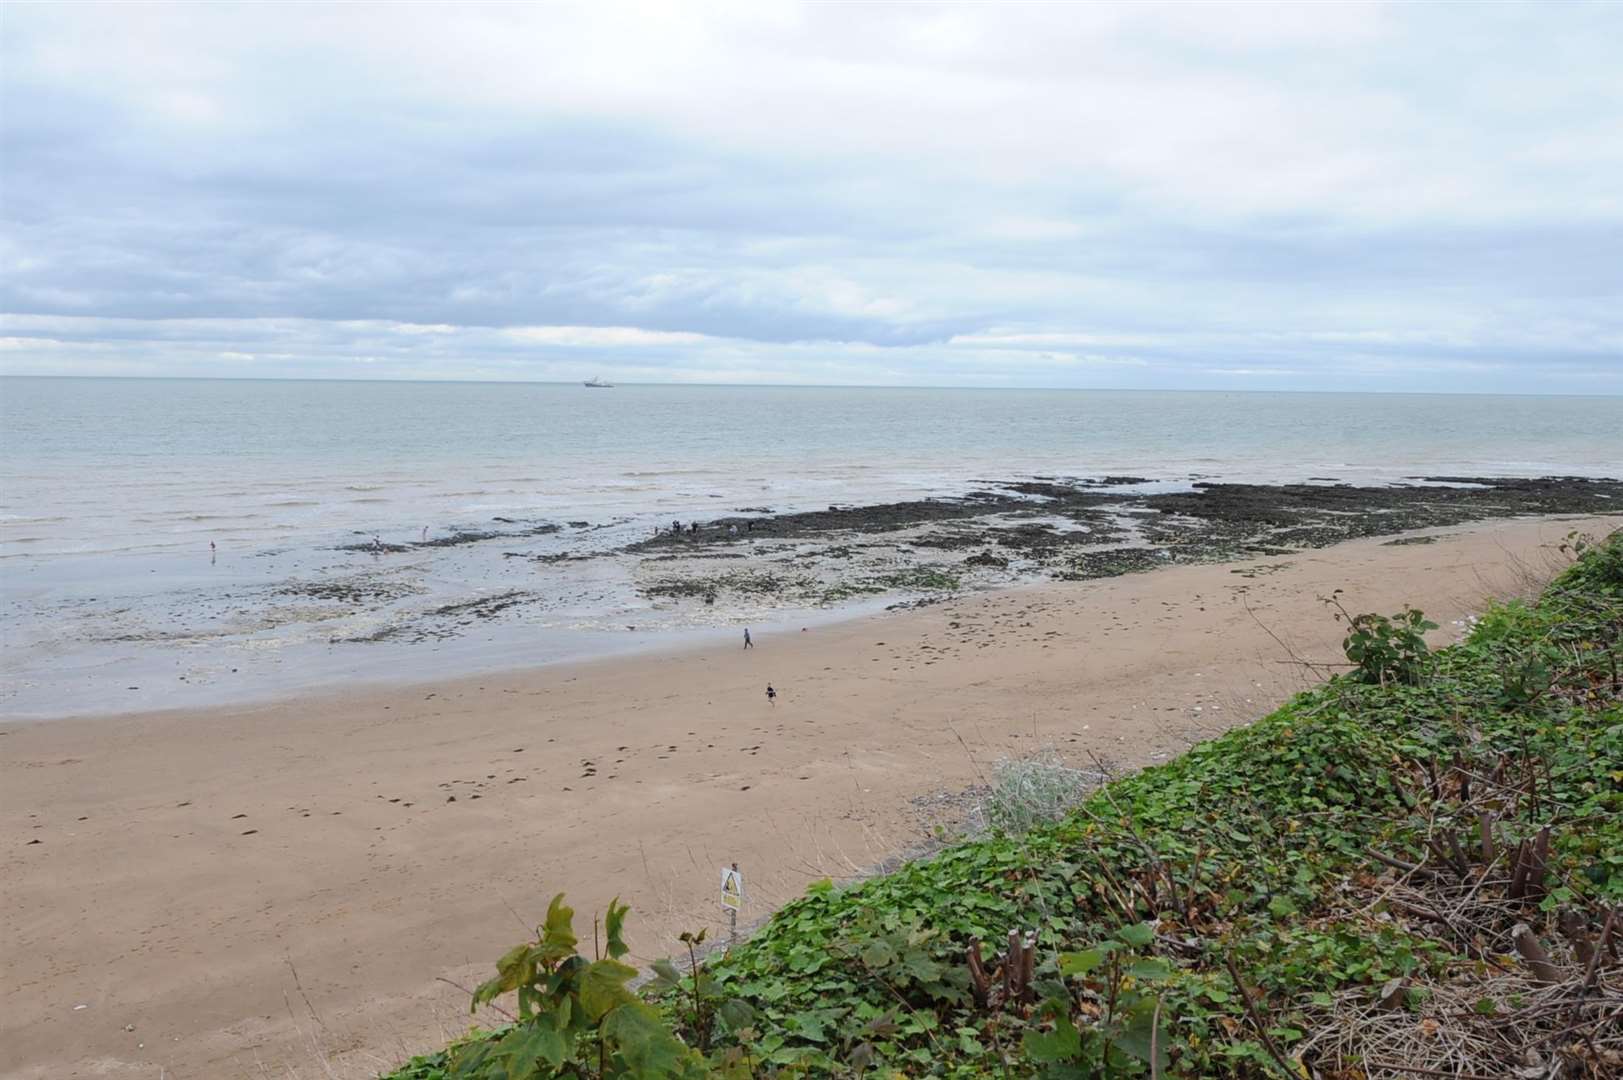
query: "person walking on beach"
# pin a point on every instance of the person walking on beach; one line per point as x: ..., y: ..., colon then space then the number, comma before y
x: 748, y: 644
x: 771, y: 695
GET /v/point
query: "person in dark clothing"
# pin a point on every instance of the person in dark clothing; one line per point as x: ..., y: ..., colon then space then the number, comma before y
x: 748, y: 644
x: 771, y: 695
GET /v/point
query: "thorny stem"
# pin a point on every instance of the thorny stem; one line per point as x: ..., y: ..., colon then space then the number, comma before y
x: 700, y: 1028
x: 1256, y: 1021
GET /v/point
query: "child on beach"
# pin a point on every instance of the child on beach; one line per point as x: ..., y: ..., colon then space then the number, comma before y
x: 748, y: 644
x: 771, y: 695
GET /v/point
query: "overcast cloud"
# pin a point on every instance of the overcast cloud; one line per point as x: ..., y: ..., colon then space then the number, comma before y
x: 1407, y: 197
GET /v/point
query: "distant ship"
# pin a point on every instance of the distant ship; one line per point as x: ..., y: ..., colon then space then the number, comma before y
x: 598, y: 383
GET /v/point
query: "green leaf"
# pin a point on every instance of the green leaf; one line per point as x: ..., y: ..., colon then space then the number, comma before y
x: 1138, y: 935
x: 531, y: 1043
x: 603, y: 987
x: 614, y: 922
x: 647, y: 1048
x: 1061, y: 1044
x: 1149, y: 969
x: 918, y: 965
x: 666, y: 977
x: 1136, y: 1036
x: 1282, y: 906
x: 1080, y: 963
x: 878, y: 953
x: 735, y: 1014
x: 558, y: 934
x: 1486, y: 1006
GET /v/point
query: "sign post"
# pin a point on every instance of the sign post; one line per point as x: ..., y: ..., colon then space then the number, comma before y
x: 732, y: 900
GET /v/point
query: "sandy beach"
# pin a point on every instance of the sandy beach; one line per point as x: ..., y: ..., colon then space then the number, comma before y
x: 281, y: 889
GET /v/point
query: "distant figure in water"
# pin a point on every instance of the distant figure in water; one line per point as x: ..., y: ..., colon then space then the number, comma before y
x: 213, y: 555
x: 676, y: 528
x: 693, y: 528
x: 748, y: 644
x: 732, y: 530
x: 425, y: 534
x: 377, y: 543
x: 771, y: 695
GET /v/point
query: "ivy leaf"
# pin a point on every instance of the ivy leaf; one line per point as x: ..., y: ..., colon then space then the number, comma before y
x: 1149, y: 969
x: 878, y: 953
x: 1080, y: 963
x: 1137, y: 1035
x: 1061, y: 1044
x: 1138, y: 935
x: 735, y: 1014
x: 917, y: 964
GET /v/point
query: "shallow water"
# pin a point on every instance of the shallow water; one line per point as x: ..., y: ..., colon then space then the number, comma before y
x: 111, y: 491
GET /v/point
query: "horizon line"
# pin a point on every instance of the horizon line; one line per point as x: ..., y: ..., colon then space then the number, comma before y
x: 816, y: 386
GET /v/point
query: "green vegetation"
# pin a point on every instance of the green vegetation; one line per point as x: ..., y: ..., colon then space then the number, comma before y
x: 1386, y: 649
x: 575, y: 1017
x: 1416, y: 864
x: 737, y: 582
x: 921, y: 578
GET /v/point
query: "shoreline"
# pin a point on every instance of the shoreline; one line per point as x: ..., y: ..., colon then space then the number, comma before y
x: 154, y: 634
x: 390, y: 834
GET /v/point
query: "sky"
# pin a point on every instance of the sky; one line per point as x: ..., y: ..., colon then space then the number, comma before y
x: 1409, y: 197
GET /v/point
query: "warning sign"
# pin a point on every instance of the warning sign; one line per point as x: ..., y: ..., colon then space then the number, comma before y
x: 732, y: 889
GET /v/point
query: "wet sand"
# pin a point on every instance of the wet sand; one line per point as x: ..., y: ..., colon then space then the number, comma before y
x: 276, y: 890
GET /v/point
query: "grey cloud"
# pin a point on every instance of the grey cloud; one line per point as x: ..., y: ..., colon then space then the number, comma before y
x: 1350, y: 201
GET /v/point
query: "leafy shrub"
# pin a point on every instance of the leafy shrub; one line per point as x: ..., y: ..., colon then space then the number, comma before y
x: 576, y: 1017
x: 694, y: 997
x: 1107, y: 1019
x: 1599, y: 563
x: 1386, y: 650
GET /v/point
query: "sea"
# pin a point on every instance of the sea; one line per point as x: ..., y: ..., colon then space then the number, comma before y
x: 159, y: 538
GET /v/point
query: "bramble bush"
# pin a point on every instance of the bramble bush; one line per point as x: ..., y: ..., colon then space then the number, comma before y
x: 1384, y: 649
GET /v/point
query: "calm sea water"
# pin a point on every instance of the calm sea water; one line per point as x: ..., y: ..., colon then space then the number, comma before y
x: 119, y: 465
x: 111, y: 491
